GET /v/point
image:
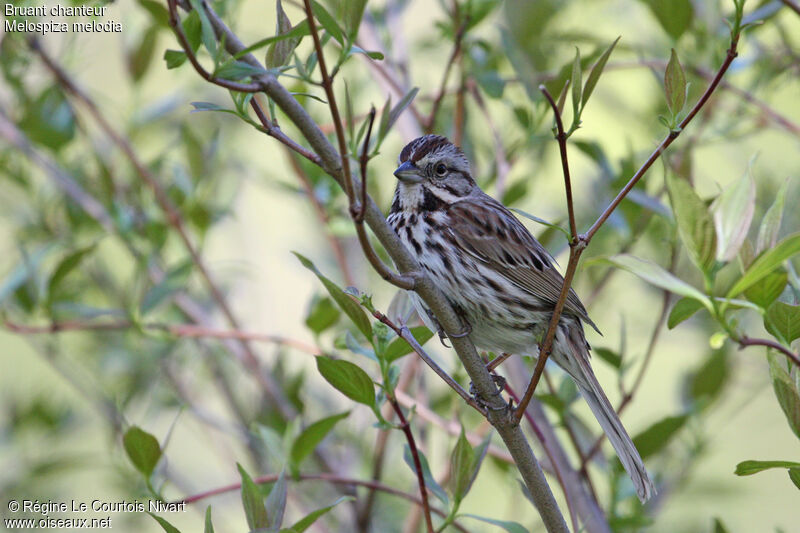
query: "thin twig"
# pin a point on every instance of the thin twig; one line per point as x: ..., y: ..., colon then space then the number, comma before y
x: 273, y: 130
x: 576, y: 247
x: 178, y: 330
x: 498, y: 414
x: 668, y: 140
x: 769, y: 343
x: 579, y: 242
x: 791, y: 5
x: 404, y: 333
x: 423, y: 492
x: 437, y: 101
x: 330, y: 478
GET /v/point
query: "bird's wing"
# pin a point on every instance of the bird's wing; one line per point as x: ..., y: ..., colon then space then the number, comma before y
x: 488, y: 231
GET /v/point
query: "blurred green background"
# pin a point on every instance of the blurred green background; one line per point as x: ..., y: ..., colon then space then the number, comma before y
x: 65, y: 398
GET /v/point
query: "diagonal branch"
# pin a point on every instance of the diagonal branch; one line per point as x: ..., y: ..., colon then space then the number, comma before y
x: 579, y: 242
x: 497, y: 412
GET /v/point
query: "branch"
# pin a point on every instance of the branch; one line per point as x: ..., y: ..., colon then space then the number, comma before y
x: 746, y: 341
x: 188, y: 331
x: 791, y: 5
x: 430, y: 121
x: 330, y: 478
x: 404, y: 333
x: 357, y: 213
x: 423, y: 492
x: 576, y: 247
x: 668, y: 140
x: 497, y: 413
x: 579, y: 242
x: 273, y: 130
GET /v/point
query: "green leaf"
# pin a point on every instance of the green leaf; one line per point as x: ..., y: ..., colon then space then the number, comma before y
x: 707, y: 382
x: 322, y: 315
x: 461, y: 460
x: 209, y: 527
x: 771, y: 223
x: 656, y: 437
x: 49, y: 119
x: 782, y: 320
x: 348, y: 305
x: 142, y: 448
x: 683, y: 309
x: 67, y: 264
x: 399, y: 347
x: 719, y: 527
x: 732, y: 212
x: 609, y: 356
x: 353, y: 13
x: 767, y: 291
x: 794, y: 475
x: 540, y: 221
x: 597, y: 70
x: 394, y: 114
x: 236, y: 70
x: 192, y: 28
x: 506, y: 525
x: 577, y: 85
x: 765, y: 263
x: 140, y: 58
x: 253, y: 502
x: 276, y: 502
x: 348, y: 379
x: 695, y: 226
x: 299, y: 31
x: 656, y: 275
x: 327, y: 21
x: 166, y: 526
x: 174, y: 58
x: 430, y: 482
x: 157, y: 11
x: 304, y: 523
x: 281, y: 50
x: 675, y: 16
x: 175, y: 280
x: 786, y: 390
x: 675, y: 85
x: 206, y: 30
x: 311, y: 437
x: 748, y: 468
x: 515, y: 192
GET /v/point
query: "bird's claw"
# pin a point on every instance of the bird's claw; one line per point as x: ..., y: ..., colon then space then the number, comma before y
x: 500, y: 381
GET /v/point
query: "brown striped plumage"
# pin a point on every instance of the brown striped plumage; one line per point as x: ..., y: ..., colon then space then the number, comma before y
x: 495, y: 274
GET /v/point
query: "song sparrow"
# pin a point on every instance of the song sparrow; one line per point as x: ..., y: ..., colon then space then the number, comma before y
x: 496, y: 275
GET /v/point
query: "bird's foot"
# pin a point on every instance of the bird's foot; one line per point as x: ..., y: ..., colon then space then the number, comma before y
x: 500, y: 381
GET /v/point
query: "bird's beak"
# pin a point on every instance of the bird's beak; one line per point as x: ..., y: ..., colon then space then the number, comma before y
x: 408, y: 173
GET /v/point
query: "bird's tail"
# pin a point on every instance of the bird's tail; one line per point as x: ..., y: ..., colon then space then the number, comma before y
x: 578, y: 367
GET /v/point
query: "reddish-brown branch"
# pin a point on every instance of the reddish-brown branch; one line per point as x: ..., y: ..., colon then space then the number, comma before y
x: 747, y: 341
x: 179, y: 330
x: 174, y: 21
x: 791, y: 5
x: 576, y: 247
x: 423, y: 492
x: 579, y: 242
x: 273, y: 130
x: 668, y: 140
x: 329, y: 478
x: 437, y: 101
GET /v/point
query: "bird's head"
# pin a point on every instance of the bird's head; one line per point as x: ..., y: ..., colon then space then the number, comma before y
x: 433, y: 165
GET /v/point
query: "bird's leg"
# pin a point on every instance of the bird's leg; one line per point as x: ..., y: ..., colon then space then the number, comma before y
x: 500, y: 381
x: 467, y: 329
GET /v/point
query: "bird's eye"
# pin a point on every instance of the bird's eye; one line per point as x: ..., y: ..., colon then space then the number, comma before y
x: 441, y: 169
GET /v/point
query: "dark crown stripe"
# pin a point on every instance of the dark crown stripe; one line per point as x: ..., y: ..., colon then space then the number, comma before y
x: 422, y: 146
